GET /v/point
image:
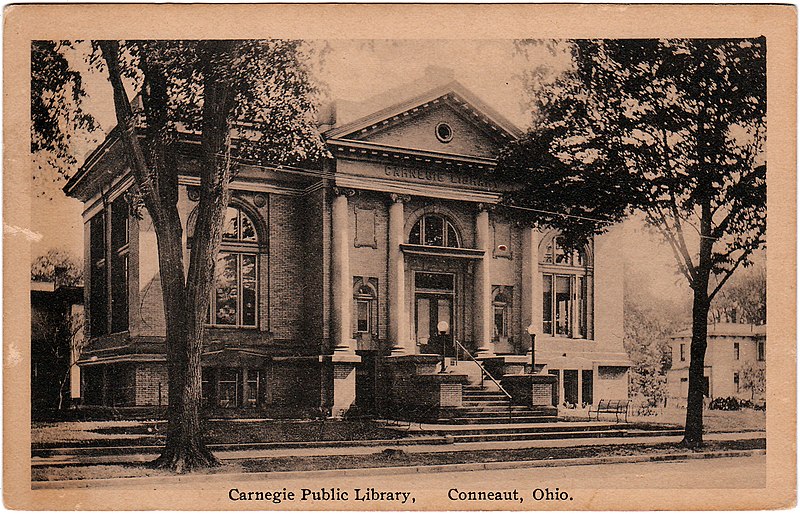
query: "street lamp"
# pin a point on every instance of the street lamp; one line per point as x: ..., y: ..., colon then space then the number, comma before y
x: 443, y: 327
x: 532, y: 332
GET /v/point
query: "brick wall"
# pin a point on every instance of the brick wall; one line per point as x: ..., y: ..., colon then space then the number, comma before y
x: 148, y: 377
x: 147, y: 315
x: 286, y: 266
x: 314, y: 303
x: 450, y: 395
x: 542, y: 394
x: 366, y: 261
x: 294, y: 383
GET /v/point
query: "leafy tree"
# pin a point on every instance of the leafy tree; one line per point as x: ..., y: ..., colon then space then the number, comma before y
x: 57, y: 114
x: 649, y: 321
x: 754, y: 378
x: 45, y: 267
x: 744, y: 297
x: 245, y: 101
x: 63, y: 340
x: 673, y: 128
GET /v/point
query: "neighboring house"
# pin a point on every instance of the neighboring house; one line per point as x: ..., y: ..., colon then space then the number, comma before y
x: 732, y: 347
x: 56, y: 332
x: 332, y: 279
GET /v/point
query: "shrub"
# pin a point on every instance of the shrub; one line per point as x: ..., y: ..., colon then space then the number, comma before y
x: 729, y: 403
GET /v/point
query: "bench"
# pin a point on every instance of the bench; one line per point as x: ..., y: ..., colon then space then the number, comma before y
x: 616, y: 407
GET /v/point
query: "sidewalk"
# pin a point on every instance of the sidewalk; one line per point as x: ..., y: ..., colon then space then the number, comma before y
x: 362, y: 449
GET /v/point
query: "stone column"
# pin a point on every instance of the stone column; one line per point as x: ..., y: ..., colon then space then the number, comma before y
x: 482, y: 302
x: 531, y: 280
x: 341, y: 279
x: 398, y: 315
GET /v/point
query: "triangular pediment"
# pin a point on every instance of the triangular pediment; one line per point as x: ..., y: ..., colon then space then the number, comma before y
x: 447, y: 120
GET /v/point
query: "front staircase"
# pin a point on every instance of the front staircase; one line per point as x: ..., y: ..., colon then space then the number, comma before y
x: 483, y: 405
x: 487, y: 414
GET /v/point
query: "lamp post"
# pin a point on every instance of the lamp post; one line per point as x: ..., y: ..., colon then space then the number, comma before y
x: 443, y: 327
x: 532, y: 332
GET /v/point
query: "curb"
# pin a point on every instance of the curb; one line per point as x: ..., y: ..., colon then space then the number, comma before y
x: 402, y: 470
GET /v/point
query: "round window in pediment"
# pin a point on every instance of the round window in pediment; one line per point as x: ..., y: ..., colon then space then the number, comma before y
x: 444, y: 133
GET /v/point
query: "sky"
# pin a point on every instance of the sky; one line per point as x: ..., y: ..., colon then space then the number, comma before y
x: 358, y: 69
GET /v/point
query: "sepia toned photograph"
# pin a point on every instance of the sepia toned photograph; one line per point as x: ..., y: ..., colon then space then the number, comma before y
x: 329, y: 271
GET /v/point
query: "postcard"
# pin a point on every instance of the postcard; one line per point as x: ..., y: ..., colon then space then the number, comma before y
x: 399, y: 257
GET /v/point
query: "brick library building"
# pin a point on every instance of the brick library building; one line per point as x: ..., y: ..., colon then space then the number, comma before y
x: 385, y: 281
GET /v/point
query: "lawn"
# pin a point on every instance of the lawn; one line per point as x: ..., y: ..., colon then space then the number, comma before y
x: 109, y: 433
x: 390, y: 458
x: 745, y: 420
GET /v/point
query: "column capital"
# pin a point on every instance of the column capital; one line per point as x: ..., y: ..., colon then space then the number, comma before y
x: 343, y: 191
x: 398, y: 198
x: 486, y: 207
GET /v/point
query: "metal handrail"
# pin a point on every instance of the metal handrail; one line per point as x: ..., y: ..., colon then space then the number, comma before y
x: 468, y: 354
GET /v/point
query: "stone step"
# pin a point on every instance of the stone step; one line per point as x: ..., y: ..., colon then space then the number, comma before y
x: 496, y: 408
x: 488, y: 420
x: 506, y: 427
x: 477, y: 413
x: 484, y: 395
x: 531, y: 436
x: 486, y: 403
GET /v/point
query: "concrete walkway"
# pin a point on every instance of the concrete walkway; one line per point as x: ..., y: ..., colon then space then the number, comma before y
x: 233, y: 455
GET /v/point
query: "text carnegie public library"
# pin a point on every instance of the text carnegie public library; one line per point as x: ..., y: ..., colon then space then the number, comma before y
x: 322, y: 494
x: 438, y: 176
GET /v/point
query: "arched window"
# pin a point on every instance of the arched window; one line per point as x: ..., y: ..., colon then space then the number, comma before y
x: 364, y: 307
x: 501, y: 306
x: 234, y: 300
x: 434, y: 230
x: 566, y: 290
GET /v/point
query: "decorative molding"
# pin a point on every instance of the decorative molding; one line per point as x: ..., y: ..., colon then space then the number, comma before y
x: 344, y: 191
x: 194, y: 193
x: 260, y: 201
x: 399, y: 198
x: 241, y: 185
x: 415, y: 189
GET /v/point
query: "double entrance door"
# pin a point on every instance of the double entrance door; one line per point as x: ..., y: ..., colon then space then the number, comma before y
x: 434, y: 296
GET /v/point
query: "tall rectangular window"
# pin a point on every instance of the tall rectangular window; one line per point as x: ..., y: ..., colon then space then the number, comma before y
x: 500, y: 326
x: 736, y: 382
x: 736, y: 351
x: 235, y: 298
x: 683, y: 352
x: 119, y: 265
x: 580, y: 305
x: 98, y: 283
x: 563, y: 307
x: 228, y: 387
x: 761, y: 351
x: 547, y: 304
x: 363, y: 316
x: 253, y: 387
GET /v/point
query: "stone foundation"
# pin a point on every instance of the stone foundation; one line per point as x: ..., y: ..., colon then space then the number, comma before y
x: 417, y: 391
x: 530, y: 390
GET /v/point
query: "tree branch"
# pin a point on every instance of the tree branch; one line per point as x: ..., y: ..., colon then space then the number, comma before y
x: 729, y: 273
x: 126, y: 124
x: 663, y: 227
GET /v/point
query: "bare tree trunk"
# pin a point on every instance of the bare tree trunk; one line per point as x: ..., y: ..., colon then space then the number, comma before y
x: 185, y: 301
x: 184, y: 449
x: 693, y: 430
